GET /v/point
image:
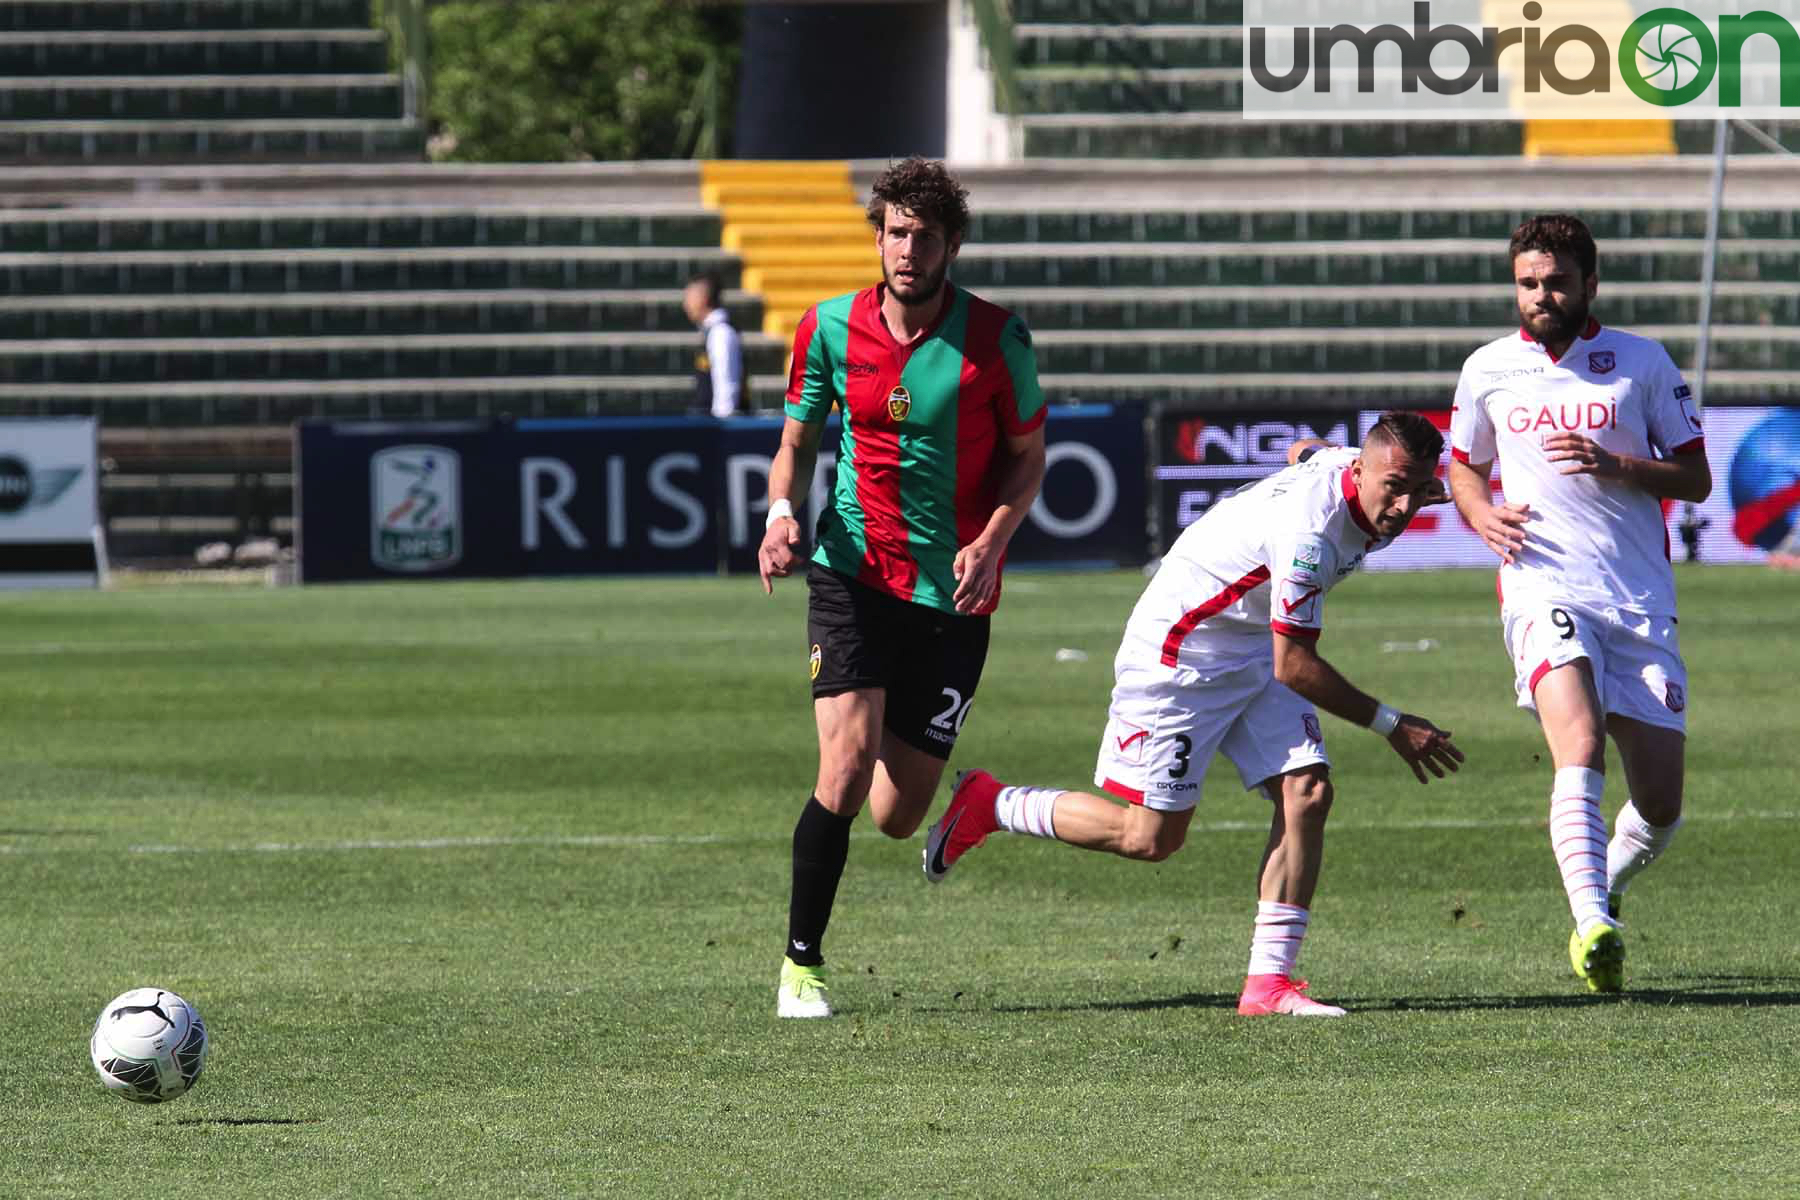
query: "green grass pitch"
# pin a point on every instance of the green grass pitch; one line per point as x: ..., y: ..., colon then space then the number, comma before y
x: 481, y: 889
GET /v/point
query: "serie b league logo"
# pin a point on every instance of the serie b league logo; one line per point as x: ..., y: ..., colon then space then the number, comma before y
x: 415, y: 502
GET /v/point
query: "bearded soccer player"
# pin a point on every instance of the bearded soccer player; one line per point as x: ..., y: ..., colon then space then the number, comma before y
x: 1221, y: 654
x: 941, y: 458
x: 1594, y: 429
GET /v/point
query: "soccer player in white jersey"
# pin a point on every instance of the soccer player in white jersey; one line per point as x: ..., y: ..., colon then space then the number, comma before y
x: 1593, y: 428
x: 1221, y: 654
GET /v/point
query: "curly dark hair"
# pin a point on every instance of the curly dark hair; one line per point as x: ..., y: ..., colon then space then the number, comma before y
x: 925, y: 189
x: 1559, y: 234
x: 1412, y: 432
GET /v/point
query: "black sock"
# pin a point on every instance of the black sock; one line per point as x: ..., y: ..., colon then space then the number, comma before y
x: 821, y: 844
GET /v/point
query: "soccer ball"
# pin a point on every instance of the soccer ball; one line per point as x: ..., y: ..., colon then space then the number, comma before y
x: 149, y: 1045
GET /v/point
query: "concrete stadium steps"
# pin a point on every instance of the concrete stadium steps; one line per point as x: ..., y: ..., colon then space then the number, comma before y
x: 342, y: 314
x: 1054, y: 90
x: 80, y: 15
x: 202, y: 97
x: 1338, y: 264
x: 252, y: 294
x: 652, y: 186
x: 360, y: 51
x: 1059, y: 352
x: 1228, y: 135
x: 350, y: 226
x: 430, y: 268
x: 1139, y: 47
x: 1128, y: 12
x: 168, y: 81
x: 424, y: 356
x: 39, y: 142
x: 1607, y: 220
x: 1485, y: 308
x: 276, y: 404
x: 1051, y: 308
x: 1355, y: 351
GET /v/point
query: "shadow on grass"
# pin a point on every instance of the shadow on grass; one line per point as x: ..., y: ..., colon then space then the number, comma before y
x: 249, y: 1121
x: 1686, y: 991
x: 1190, y: 1000
x: 1705, y: 991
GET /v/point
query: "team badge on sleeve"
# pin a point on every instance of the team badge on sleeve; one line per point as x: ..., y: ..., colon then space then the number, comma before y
x: 1309, y: 558
x: 1600, y: 362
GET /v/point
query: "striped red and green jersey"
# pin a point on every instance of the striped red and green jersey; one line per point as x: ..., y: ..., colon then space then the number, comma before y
x: 917, y: 470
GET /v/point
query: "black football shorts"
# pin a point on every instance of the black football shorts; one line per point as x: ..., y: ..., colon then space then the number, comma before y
x: 927, y: 660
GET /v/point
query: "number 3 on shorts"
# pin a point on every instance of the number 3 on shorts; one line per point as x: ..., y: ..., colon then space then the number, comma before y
x: 1184, y: 746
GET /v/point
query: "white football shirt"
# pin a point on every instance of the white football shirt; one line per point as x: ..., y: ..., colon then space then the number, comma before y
x: 1260, y: 559
x: 1591, y: 541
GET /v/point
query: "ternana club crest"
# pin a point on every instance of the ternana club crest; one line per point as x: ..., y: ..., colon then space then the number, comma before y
x: 1600, y: 361
x: 899, y: 403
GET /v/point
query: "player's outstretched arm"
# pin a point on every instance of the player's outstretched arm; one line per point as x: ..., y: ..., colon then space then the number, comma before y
x: 1423, y: 745
x: 790, y: 477
x: 1501, y: 526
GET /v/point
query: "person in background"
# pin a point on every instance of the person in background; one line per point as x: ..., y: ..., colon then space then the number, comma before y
x: 719, y: 367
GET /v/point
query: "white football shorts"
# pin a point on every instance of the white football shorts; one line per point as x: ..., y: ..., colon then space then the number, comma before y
x: 1636, y: 660
x: 1164, y: 727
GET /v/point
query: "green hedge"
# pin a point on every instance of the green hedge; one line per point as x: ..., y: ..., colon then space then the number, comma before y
x: 576, y: 80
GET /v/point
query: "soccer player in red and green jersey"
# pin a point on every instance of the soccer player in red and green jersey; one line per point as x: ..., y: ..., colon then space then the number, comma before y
x: 941, y: 458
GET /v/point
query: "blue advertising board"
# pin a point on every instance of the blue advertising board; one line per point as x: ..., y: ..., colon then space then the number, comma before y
x: 591, y: 496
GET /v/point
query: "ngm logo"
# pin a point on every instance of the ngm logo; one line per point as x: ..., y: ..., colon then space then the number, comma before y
x: 1606, y: 65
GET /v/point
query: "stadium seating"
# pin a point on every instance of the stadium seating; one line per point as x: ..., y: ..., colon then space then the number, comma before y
x: 92, y: 81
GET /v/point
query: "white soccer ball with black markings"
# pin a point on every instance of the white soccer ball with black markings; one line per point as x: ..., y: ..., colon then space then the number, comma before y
x: 149, y: 1045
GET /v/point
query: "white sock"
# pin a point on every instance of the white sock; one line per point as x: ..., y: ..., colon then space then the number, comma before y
x: 1027, y: 810
x: 1578, y: 836
x: 1275, y: 946
x: 1635, y: 845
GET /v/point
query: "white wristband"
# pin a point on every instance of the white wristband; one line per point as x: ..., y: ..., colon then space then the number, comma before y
x: 779, y: 508
x: 1386, y: 719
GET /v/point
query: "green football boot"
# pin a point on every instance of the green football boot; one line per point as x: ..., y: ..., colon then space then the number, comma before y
x: 1599, y: 958
x: 802, y: 991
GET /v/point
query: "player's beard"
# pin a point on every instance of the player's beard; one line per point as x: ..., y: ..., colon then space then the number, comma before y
x: 922, y: 290
x: 1552, y: 324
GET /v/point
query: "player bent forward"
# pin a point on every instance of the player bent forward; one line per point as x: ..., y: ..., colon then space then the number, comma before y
x: 1221, y: 654
x: 1593, y: 428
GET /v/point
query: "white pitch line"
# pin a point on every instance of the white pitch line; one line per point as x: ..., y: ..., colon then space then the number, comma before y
x: 626, y: 840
